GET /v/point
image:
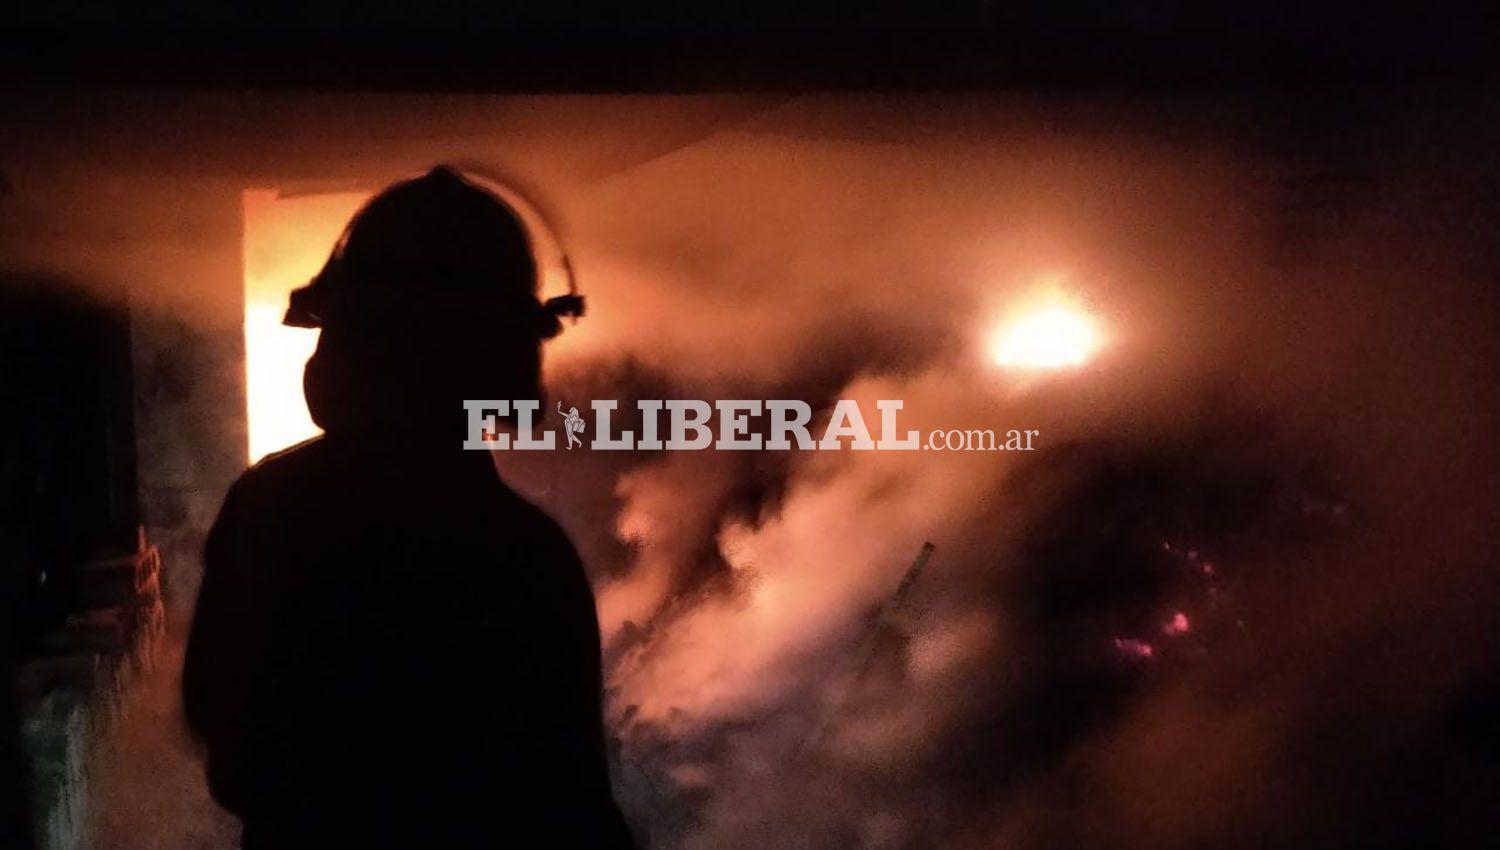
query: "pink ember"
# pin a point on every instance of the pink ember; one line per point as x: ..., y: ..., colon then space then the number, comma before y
x: 1178, y: 625
x: 1133, y: 647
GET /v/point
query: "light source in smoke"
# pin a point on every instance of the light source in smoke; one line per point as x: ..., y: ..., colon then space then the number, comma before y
x: 1052, y: 337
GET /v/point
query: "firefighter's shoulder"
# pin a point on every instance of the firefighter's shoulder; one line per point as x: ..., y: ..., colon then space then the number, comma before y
x: 298, y: 462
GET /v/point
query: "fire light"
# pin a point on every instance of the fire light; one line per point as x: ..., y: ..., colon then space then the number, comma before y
x: 287, y: 238
x: 1056, y: 336
x: 274, y: 358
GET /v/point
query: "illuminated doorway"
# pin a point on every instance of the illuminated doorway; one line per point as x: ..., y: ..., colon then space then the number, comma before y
x: 287, y: 240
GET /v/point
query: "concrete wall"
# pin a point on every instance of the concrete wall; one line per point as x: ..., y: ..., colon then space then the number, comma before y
x: 170, y: 248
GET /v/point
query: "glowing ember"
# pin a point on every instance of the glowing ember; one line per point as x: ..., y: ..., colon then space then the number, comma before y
x: 1134, y: 648
x: 1178, y: 625
x: 1053, y: 337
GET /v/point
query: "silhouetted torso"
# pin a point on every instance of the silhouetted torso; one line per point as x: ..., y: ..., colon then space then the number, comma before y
x: 393, y: 649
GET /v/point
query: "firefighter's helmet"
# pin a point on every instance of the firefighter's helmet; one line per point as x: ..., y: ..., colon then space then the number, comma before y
x: 437, y: 242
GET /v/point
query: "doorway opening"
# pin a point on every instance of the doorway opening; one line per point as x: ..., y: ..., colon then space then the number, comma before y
x: 287, y: 239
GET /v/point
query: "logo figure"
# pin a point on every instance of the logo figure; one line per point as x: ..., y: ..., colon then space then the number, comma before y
x: 572, y: 425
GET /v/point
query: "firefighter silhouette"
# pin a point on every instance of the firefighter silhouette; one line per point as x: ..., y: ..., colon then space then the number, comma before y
x: 391, y: 647
x: 572, y: 425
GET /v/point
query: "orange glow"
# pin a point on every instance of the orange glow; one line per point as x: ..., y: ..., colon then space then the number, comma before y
x: 287, y: 239
x: 1055, y: 336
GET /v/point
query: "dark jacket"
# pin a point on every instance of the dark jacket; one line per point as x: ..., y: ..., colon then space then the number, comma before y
x: 393, y: 649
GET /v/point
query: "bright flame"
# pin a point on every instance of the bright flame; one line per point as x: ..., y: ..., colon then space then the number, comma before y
x: 287, y: 239
x: 1052, y: 337
x: 274, y: 355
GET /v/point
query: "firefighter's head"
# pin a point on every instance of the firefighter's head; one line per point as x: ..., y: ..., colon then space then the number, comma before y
x: 429, y: 297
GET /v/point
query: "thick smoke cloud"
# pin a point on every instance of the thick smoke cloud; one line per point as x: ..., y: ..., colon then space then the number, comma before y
x: 1240, y: 596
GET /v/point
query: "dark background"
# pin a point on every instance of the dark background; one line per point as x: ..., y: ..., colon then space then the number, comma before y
x: 780, y: 44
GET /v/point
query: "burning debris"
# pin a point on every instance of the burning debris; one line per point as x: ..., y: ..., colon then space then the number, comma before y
x: 1134, y: 648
